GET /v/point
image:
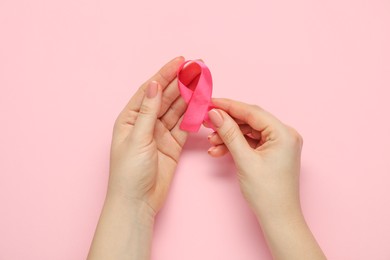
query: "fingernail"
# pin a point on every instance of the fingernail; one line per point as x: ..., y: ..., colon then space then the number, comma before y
x: 152, y: 89
x: 211, y: 135
x: 211, y: 149
x: 216, y: 118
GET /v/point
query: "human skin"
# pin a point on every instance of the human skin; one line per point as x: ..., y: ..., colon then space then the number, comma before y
x: 267, y: 155
x: 146, y: 145
x: 145, y: 150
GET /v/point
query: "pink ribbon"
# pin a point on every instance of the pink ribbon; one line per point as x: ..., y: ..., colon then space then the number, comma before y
x: 198, y: 98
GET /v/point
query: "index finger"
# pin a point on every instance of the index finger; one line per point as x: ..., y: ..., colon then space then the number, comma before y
x: 164, y: 76
x: 256, y: 117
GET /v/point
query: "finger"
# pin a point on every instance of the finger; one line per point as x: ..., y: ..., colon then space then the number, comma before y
x: 256, y: 117
x: 218, y: 150
x: 229, y: 132
x: 179, y: 135
x: 248, y: 130
x: 164, y: 76
x: 189, y: 76
x: 147, y: 116
x: 170, y: 94
x: 238, y: 121
x: 175, y: 111
x: 215, y: 139
x: 166, y: 143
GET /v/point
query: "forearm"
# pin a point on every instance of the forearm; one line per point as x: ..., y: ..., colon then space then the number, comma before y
x: 289, y: 237
x: 124, y: 231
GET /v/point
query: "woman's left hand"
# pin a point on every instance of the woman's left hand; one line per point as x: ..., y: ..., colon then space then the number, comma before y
x: 147, y: 140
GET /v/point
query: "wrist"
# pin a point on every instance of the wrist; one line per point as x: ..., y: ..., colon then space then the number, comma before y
x: 283, y: 213
x: 124, y: 230
x: 286, y: 222
x: 137, y: 210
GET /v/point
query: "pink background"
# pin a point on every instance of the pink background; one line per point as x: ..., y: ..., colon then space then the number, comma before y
x: 68, y: 67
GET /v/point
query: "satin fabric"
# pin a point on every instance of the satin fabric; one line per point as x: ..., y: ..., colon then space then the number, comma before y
x: 198, y: 98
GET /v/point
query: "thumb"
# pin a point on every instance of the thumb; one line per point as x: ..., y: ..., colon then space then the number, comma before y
x: 230, y: 133
x: 147, y: 116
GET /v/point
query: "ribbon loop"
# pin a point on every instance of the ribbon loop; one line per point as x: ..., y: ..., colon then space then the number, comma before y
x: 198, y: 98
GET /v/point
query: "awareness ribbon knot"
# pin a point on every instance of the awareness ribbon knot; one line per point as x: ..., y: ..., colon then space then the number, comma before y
x: 197, y: 98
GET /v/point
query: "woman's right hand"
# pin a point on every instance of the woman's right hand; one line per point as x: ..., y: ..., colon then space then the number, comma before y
x: 267, y: 156
x: 266, y: 153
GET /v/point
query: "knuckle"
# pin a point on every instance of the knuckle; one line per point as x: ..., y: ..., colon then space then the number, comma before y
x: 165, y: 80
x: 251, y: 116
x: 253, y: 113
x: 253, y: 119
x: 294, y: 137
x: 132, y: 117
x: 145, y: 110
x: 167, y: 100
x: 125, y: 118
x: 257, y: 108
x: 229, y: 135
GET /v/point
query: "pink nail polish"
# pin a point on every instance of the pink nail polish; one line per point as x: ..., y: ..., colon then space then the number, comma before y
x: 152, y: 89
x: 211, y: 149
x: 216, y: 118
x: 211, y: 135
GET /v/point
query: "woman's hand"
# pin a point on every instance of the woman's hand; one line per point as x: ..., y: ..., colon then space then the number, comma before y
x: 147, y: 140
x: 266, y: 152
x: 267, y: 156
x: 145, y: 149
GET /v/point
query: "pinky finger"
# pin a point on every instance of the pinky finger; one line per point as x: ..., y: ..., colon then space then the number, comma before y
x: 218, y: 151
